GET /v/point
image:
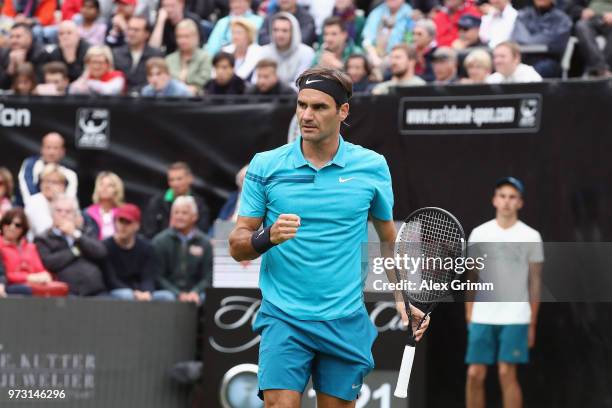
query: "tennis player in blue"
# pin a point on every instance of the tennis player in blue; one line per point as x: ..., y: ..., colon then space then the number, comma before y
x: 313, y: 198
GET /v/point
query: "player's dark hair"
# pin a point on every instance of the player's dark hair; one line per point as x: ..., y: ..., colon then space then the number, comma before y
x: 331, y: 74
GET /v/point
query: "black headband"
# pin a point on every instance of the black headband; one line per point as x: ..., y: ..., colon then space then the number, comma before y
x: 329, y: 86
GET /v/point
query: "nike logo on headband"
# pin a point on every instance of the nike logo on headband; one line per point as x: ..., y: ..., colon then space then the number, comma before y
x: 312, y: 81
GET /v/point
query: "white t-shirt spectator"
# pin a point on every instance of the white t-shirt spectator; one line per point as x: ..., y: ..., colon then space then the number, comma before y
x: 497, y: 27
x: 522, y: 73
x: 509, y: 253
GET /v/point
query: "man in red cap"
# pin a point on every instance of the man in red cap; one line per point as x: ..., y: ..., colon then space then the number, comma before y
x: 130, y: 266
x: 117, y: 27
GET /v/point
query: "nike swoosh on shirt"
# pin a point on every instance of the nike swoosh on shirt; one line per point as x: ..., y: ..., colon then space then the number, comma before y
x: 340, y: 179
x: 355, y: 386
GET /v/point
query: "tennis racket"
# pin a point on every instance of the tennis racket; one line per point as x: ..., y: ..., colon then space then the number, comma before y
x: 429, y: 234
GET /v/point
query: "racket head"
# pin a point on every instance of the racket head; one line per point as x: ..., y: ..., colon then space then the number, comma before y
x: 433, y: 235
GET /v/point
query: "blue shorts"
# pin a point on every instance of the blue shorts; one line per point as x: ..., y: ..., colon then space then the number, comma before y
x: 337, y: 353
x: 492, y: 343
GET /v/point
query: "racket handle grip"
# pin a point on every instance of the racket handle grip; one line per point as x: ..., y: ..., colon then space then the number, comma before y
x: 401, y: 389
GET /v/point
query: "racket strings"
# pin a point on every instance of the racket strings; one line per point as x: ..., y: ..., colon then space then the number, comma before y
x: 434, y: 237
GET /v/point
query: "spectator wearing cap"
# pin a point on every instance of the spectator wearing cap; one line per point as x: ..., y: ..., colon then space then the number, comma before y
x: 160, y: 83
x: 543, y: 23
x: 189, y: 63
x: 386, y: 26
x: 222, y: 34
x: 306, y: 23
x: 73, y: 256
x: 508, y: 66
x: 130, y: 269
x: 132, y: 57
x: 165, y: 32
x: 497, y: 25
x: 292, y: 56
x: 56, y: 79
x: 91, y: 27
x: 226, y: 82
x: 478, y: 66
x: 22, y: 48
x: 184, y: 254
x: 447, y: 19
x: 100, y: 76
x: 403, y: 61
x: 594, y: 19
x: 244, y: 47
x: 157, y: 215
x: 502, y: 332
x: 336, y: 46
x: 358, y: 68
x: 71, y: 49
x: 469, y: 27
x: 268, y: 82
x: 445, y: 65
x: 117, y: 26
x: 52, y: 151
x: 424, y: 38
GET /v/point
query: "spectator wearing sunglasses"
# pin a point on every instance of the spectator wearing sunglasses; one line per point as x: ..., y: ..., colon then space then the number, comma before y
x: 20, y: 259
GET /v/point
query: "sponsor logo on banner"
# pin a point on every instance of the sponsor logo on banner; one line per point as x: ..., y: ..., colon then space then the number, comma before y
x: 72, y: 372
x: 519, y: 113
x: 92, y: 128
x: 14, y: 117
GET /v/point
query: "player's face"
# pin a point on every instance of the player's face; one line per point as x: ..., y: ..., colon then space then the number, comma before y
x: 507, y: 201
x: 318, y: 116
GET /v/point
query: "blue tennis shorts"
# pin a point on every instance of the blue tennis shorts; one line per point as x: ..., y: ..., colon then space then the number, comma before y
x: 337, y: 353
x: 492, y: 343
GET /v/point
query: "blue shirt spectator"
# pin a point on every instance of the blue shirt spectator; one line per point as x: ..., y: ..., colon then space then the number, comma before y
x: 222, y: 34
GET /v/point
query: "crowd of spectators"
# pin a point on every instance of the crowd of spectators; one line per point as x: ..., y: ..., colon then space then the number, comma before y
x: 49, y: 246
x: 185, y: 48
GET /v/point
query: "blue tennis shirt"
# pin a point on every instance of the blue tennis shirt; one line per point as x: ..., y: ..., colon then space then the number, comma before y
x: 317, y: 275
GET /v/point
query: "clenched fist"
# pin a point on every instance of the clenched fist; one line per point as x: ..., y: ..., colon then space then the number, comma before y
x: 285, y: 228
